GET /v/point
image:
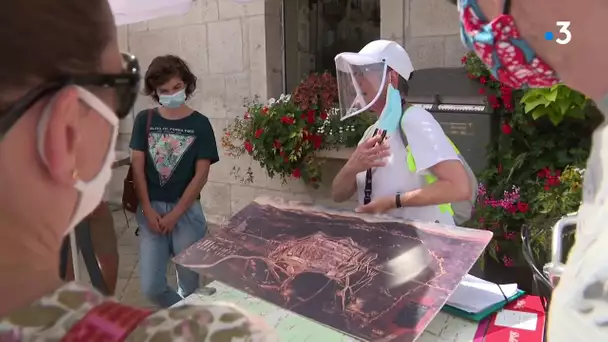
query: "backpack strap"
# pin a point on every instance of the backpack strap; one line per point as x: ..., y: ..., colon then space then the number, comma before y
x: 148, y: 122
x: 108, y: 322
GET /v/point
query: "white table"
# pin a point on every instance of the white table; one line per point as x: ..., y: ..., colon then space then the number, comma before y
x: 295, y: 328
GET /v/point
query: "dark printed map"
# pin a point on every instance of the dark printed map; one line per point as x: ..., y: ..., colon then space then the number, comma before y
x: 370, y: 277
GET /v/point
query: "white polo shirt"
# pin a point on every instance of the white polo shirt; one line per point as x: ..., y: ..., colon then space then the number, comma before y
x: 429, y: 146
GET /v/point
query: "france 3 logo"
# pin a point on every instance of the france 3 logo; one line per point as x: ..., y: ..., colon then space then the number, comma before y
x: 564, y: 36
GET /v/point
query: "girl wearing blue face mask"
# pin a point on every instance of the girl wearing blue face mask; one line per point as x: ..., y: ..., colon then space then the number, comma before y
x: 173, y: 149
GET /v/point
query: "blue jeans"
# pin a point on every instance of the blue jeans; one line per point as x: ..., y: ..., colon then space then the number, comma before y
x: 155, y: 250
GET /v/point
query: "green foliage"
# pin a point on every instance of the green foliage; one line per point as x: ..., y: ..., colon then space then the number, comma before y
x: 556, y: 103
x: 536, y: 164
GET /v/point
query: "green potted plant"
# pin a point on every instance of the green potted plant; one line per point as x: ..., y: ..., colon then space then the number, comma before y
x: 535, y: 169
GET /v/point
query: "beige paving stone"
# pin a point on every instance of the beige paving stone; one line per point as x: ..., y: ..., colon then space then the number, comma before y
x: 454, y: 50
x: 193, y: 48
x: 216, y: 198
x: 432, y: 18
x: 210, y: 11
x: 229, y: 9
x: 225, y: 46
x: 127, y: 265
x: 132, y: 295
x: 426, y: 52
x: 237, y: 91
x: 391, y: 24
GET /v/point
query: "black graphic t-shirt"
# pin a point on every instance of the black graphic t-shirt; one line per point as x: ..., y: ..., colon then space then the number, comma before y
x: 173, y: 148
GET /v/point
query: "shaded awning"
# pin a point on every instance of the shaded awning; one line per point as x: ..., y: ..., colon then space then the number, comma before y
x: 133, y: 11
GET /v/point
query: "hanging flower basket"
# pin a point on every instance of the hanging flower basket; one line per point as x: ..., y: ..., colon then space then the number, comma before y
x: 286, y: 135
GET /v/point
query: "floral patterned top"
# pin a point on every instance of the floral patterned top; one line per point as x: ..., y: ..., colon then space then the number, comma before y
x: 53, y: 316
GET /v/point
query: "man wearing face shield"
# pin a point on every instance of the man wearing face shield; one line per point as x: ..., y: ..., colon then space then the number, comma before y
x: 509, y: 37
x: 415, y: 171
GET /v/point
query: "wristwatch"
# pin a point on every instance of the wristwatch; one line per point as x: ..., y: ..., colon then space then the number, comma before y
x: 398, y: 200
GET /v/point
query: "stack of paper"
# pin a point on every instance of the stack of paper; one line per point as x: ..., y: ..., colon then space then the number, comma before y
x: 475, y: 295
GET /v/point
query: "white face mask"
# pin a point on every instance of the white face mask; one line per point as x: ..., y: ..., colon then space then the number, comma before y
x: 90, y: 192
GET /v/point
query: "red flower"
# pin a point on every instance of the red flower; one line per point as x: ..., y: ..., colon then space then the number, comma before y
x: 315, y: 139
x: 288, y: 120
x: 314, y: 180
x: 511, y: 209
x: 296, y: 173
x: 248, y: 146
x: 227, y: 134
x: 483, y: 80
x: 499, y: 168
x: 541, y: 174
x: 282, y: 154
x: 509, y: 235
x: 508, y: 262
x: 463, y: 60
x: 552, y: 178
x: 522, y: 207
x: 471, y: 76
x: 493, y: 100
x: 286, y: 160
x: 553, y: 181
x: 506, y: 128
x: 258, y: 133
x: 506, y: 90
x: 265, y: 110
x: 482, y: 91
x: 277, y: 144
x: 323, y: 116
x: 311, y: 116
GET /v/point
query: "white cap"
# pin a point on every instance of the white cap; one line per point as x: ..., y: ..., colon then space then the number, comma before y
x: 393, y: 54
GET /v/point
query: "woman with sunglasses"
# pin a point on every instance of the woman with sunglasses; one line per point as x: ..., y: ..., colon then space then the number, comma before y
x: 63, y: 88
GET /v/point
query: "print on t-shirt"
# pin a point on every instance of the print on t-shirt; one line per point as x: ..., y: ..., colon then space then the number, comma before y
x: 167, y: 146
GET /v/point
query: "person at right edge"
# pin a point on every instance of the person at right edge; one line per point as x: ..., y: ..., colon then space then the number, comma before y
x: 509, y: 36
x: 173, y: 150
x: 415, y: 172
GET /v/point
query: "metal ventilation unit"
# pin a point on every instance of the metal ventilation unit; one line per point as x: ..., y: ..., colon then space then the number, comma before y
x: 455, y: 101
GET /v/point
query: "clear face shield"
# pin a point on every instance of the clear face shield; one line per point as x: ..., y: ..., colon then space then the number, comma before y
x: 361, y: 82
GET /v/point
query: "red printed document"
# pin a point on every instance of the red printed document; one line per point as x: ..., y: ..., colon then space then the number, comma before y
x: 522, y: 320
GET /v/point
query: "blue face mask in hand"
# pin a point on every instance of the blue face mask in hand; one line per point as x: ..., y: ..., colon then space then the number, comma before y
x: 173, y: 100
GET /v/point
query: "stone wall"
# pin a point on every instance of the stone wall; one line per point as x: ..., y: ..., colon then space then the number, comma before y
x: 428, y: 29
x: 236, y: 50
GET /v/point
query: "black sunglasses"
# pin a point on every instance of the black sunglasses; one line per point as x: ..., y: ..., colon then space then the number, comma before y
x: 125, y: 84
